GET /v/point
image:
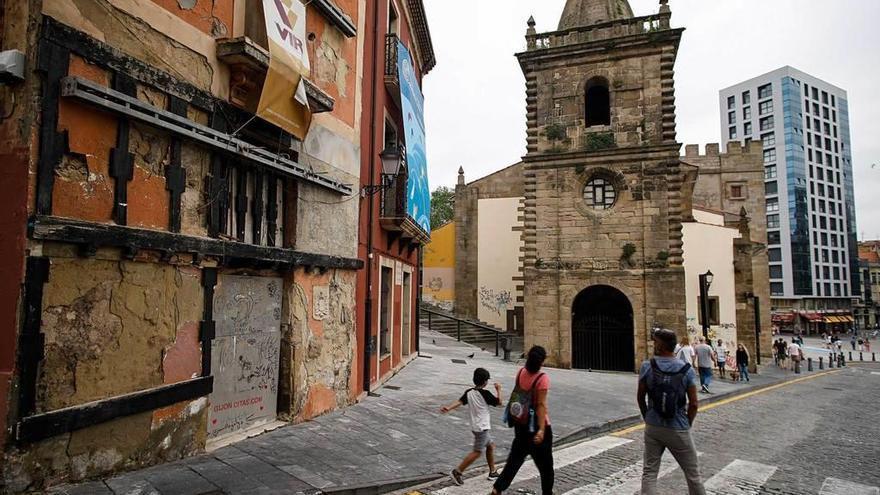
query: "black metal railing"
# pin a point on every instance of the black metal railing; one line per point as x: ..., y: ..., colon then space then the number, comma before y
x: 461, y: 323
x: 391, y: 44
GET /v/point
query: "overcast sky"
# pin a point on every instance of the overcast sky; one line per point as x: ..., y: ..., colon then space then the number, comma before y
x: 475, y: 97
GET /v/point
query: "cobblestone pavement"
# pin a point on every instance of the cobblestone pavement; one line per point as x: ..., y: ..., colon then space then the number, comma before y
x: 820, y: 435
x: 398, y: 435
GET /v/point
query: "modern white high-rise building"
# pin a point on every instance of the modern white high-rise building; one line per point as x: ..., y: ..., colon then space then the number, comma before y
x: 811, y: 223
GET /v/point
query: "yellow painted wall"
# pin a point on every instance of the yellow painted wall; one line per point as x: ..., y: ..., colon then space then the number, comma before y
x: 439, y: 267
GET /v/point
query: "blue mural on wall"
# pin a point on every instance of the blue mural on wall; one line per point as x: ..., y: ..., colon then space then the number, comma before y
x: 418, y: 197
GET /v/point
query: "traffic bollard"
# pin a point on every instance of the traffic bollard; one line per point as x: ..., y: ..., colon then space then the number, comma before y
x: 809, y: 364
x: 850, y: 355
x: 874, y: 357
x: 861, y: 357
x: 842, y: 361
x: 821, y: 363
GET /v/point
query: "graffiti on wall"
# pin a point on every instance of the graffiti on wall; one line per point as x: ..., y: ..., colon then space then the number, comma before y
x: 245, y: 353
x: 497, y: 302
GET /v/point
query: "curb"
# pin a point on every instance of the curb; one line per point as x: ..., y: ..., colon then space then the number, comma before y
x: 587, y: 432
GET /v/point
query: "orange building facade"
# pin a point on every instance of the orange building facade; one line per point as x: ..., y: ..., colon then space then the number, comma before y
x: 177, y: 271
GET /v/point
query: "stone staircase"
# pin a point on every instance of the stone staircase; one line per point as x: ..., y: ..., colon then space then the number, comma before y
x: 476, y: 333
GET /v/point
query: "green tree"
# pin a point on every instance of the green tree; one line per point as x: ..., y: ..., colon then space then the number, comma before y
x: 442, y: 206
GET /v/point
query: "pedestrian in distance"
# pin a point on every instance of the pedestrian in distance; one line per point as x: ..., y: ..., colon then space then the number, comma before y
x: 867, y: 344
x: 742, y: 362
x: 528, y: 415
x: 782, y: 352
x: 478, y: 400
x: 667, y: 398
x: 685, y: 351
x: 794, y: 352
x: 852, y: 341
x: 705, y: 362
x: 721, y: 357
x: 861, y: 344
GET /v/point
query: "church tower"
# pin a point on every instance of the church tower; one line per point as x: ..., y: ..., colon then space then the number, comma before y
x: 603, y: 186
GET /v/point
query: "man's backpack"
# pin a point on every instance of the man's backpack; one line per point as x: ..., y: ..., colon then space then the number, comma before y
x: 667, y: 390
x: 520, y: 410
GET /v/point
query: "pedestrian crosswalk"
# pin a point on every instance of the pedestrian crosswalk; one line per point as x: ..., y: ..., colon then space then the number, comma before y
x: 561, y: 458
x: 738, y: 477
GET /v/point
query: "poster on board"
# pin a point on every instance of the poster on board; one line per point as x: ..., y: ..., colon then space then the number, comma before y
x: 418, y: 198
x: 282, y: 101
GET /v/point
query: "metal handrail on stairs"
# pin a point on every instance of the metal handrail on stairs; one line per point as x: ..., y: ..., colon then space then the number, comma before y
x: 463, y: 321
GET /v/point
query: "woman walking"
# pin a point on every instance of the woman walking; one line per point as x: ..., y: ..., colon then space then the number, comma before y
x: 536, y: 438
x: 742, y: 362
x: 685, y: 352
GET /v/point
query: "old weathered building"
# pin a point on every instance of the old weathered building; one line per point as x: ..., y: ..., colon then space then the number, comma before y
x: 179, y: 248
x: 594, y: 214
x: 731, y: 185
x: 603, y: 209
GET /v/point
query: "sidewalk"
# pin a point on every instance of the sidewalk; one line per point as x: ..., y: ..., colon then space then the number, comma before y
x: 398, y: 438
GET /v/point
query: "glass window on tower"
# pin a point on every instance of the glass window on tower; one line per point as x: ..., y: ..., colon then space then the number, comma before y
x: 765, y: 91
x: 731, y: 117
x: 776, y: 271
x: 770, y: 172
x: 771, y: 188
x: 747, y: 113
x: 774, y: 238
x: 732, y: 132
x: 769, y: 139
x: 772, y: 221
x: 765, y: 107
x: 777, y: 289
x: 747, y: 129
x: 815, y: 93
x: 825, y: 97
x: 774, y: 254
x: 731, y: 102
x: 747, y: 97
x: 770, y: 156
x: 767, y: 123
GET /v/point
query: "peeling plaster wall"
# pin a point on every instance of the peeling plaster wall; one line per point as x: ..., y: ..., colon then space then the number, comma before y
x: 108, y: 325
x: 318, y: 343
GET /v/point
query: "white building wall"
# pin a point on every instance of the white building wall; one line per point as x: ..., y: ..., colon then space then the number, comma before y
x: 708, y: 245
x: 498, y: 248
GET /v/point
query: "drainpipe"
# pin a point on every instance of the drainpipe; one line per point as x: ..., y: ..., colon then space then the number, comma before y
x: 368, y: 304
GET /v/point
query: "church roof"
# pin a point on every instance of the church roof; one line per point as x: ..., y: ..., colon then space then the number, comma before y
x: 580, y: 13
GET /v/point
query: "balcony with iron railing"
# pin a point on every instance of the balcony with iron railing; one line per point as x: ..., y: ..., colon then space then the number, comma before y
x: 394, y: 213
x: 392, y: 76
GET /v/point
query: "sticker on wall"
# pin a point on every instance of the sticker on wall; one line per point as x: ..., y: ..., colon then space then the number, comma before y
x: 320, y: 302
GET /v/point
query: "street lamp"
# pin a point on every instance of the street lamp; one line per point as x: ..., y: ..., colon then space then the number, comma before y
x: 706, y: 280
x: 392, y: 164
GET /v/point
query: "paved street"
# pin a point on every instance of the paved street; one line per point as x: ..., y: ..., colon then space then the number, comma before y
x: 397, y: 435
x: 820, y: 435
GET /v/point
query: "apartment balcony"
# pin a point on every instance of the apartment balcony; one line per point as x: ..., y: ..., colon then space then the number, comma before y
x: 394, y: 215
x: 392, y: 76
x: 248, y: 58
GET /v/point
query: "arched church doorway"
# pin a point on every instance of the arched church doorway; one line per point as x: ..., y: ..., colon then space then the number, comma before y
x: 602, y: 330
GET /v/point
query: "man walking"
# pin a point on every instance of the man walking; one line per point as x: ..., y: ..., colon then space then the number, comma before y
x: 705, y: 361
x: 667, y: 398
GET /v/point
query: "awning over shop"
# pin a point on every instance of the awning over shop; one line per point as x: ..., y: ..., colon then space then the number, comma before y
x: 813, y: 317
x: 838, y: 318
x: 783, y: 317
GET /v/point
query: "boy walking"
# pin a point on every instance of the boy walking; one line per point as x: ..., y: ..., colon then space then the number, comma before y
x: 478, y: 400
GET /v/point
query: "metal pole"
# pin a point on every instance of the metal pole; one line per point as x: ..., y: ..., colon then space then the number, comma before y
x: 757, y: 301
x: 429, y: 321
x: 496, y: 344
x: 458, y: 325
x: 704, y: 305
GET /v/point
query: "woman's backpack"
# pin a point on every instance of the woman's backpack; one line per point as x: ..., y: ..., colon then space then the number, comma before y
x: 520, y: 410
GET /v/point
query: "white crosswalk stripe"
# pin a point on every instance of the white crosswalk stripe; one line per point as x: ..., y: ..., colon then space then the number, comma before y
x: 627, y: 481
x: 834, y: 486
x: 561, y: 458
x: 740, y: 478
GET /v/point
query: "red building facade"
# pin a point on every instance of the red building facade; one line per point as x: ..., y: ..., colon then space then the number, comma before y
x: 389, y: 240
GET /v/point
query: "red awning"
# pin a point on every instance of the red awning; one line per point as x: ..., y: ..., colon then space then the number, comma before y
x: 813, y: 317
x: 783, y: 317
